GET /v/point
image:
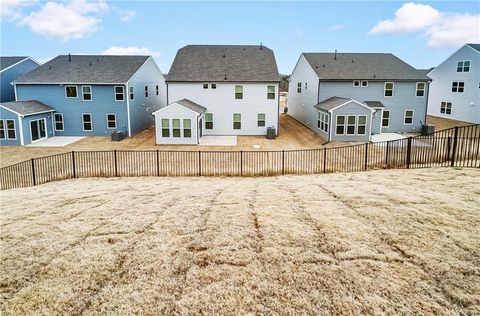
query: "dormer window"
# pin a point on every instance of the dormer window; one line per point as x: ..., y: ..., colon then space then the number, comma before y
x: 71, y: 91
x: 463, y: 66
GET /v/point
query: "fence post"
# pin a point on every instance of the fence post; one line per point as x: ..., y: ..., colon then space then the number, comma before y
x: 241, y: 162
x: 158, y: 163
x: 409, y: 151
x: 386, y: 155
x: 366, y: 156
x: 33, y: 172
x: 454, y: 149
x: 324, y: 160
x: 74, y: 165
x: 448, y: 148
x: 283, y: 161
x: 199, y: 163
x: 115, y: 155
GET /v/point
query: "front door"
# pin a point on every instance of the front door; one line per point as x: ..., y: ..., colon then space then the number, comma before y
x: 38, y: 129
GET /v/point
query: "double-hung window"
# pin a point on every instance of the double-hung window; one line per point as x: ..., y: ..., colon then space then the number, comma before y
x: 187, y: 128
x: 7, y: 129
x: 58, y: 118
x: 2, y: 129
x: 87, y: 122
x: 237, y: 121
x: 458, y: 86
x: 261, y: 119
x: 351, y: 120
x: 299, y: 87
x: 420, y: 90
x: 362, y: 125
x: 165, y: 128
x: 463, y: 66
x: 446, y: 107
x: 157, y: 90
x: 146, y: 91
x: 71, y: 91
x: 385, y: 118
x: 238, y: 92
x: 322, y: 122
x: 208, y: 121
x: 356, y: 83
x: 87, y: 93
x: 132, y: 96
x: 340, y: 125
x: 213, y: 86
x: 205, y: 86
x: 271, y: 92
x: 364, y: 83
x: 176, y: 127
x: 119, y: 93
x: 388, y: 90
x: 111, y: 120
x: 408, y: 118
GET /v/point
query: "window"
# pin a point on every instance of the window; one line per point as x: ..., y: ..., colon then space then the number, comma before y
x: 463, y: 66
x: 176, y: 127
x: 299, y: 87
x: 87, y: 93
x: 351, y: 124
x: 208, y: 121
x: 356, y: 83
x: 458, y: 86
x: 146, y: 91
x: 237, y: 121
x: 364, y: 83
x: 58, y: 119
x: 156, y: 90
x: 420, y: 90
x: 388, y: 91
x: 261, y: 119
x: 7, y: 128
x: 238, y: 92
x: 2, y: 129
x: 205, y: 86
x: 187, y: 128
x: 87, y: 122
x: 213, y: 86
x: 271, y: 92
x: 131, y: 93
x: 119, y: 93
x: 111, y: 120
x: 408, y: 118
x: 386, y: 118
x: 306, y: 85
x: 165, y: 128
x: 71, y: 91
x: 446, y: 107
x: 340, y: 125
x: 362, y: 125
x: 322, y: 122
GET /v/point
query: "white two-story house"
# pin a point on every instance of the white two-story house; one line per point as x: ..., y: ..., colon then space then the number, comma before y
x: 219, y: 90
x: 351, y: 96
x: 455, y: 88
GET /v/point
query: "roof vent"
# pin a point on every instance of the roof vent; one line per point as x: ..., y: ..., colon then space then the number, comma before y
x: 223, y: 55
x: 69, y: 57
x: 316, y: 67
x: 261, y: 46
x: 374, y: 75
x: 323, y: 65
x: 98, y: 60
x: 352, y: 61
x: 90, y: 64
x: 335, y: 56
x: 49, y: 67
x: 225, y: 78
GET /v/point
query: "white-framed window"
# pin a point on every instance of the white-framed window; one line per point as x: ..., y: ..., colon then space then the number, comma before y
x: 364, y: 83
x: 356, y: 83
x: 176, y: 128
x: 213, y: 86
x: 165, y: 128
x: 132, y: 96
x: 351, y: 122
x: 362, y: 125
x: 299, y: 87
x: 119, y: 93
x: 87, y: 93
x: 205, y: 86
x: 71, y: 92
x: 87, y: 122
x: 340, y: 129
x: 463, y: 66
x: 261, y: 119
x: 385, y: 118
x: 323, y: 121
x: 111, y: 120
x: 271, y: 92
x: 237, y: 121
x: 58, y: 120
x: 2, y: 130
x: 420, y: 90
x: 458, y: 86
x: 146, y: 91
x: 187, y: 128
x: 208, y: 121
x: 238, y: 92
x: 388, y: 90
x: 306, y: 85
x: 446, y: 107
x: 157, y: 91
x: 11, y: 131
x: 408, y: 117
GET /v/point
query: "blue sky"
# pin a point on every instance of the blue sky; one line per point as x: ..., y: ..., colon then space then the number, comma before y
x: 421, y: 33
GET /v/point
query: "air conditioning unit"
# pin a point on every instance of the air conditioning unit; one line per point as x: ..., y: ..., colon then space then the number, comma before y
x: 117, y: 136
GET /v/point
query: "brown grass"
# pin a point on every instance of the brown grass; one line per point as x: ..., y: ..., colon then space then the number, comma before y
x: 381, y: 242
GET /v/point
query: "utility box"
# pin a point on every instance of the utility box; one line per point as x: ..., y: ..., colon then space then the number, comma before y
x: 117, y: 136
x: 428, y: 129
x: 271, y: 133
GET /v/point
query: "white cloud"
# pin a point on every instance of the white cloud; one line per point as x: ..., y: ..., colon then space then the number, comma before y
x: 130, y: 50
x: 336, y: 27
x: 299, y: 32
x: 73, y: 20
x: 11, y: 9
x: 126, y: 15
x: 442, y: 29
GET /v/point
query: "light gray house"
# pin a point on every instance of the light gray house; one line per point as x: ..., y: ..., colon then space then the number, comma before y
x: 455, y: 90
x: 350, y: 96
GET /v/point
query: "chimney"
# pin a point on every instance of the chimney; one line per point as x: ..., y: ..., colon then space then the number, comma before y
x: 335, y: 56
x: 261, y: 46
x: 69, y: 57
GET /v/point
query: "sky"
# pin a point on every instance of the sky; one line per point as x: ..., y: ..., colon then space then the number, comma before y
x: 421, y: 33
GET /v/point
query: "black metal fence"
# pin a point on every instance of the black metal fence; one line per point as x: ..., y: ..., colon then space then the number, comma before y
x: 457, y: 146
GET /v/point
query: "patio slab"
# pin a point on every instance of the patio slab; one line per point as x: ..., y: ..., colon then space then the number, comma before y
x: 383, y: 137
x: 55, y: 141
x: 218, y: 141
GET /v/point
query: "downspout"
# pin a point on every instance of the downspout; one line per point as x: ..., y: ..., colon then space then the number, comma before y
x: 127, y: 95
x: 15, y: 91
x: 20, y: 129
x: 426, y: 101
x: 53, y: 124
x: 318, y: 92
x: 166, y: 83
x: 278, y: 110
x: 330, y: 114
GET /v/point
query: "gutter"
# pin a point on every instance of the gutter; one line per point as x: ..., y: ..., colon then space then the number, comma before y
x: 127, y: 95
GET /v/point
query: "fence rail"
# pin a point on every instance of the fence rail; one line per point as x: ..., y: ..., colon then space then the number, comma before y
x: 457, y: 146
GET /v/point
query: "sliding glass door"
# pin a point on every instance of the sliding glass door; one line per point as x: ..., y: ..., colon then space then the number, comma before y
x: 38, y: 129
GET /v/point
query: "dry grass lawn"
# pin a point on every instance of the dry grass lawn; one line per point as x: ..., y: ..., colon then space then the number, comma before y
x: 381, y: 242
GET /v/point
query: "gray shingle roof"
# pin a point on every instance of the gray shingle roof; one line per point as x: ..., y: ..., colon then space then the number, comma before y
x: 6, y: 62
x: 228, y: 63
x: 374, y: 104
x: 370, y: 66
x: 331, y: 103
x: 192, y: 106
x: 475, y: 47
x: 85, y: 69
x: 27, y: 107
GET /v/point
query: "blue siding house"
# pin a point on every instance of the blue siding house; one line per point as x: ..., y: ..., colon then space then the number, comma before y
x: 95, y: 95
x: 11, y: 68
